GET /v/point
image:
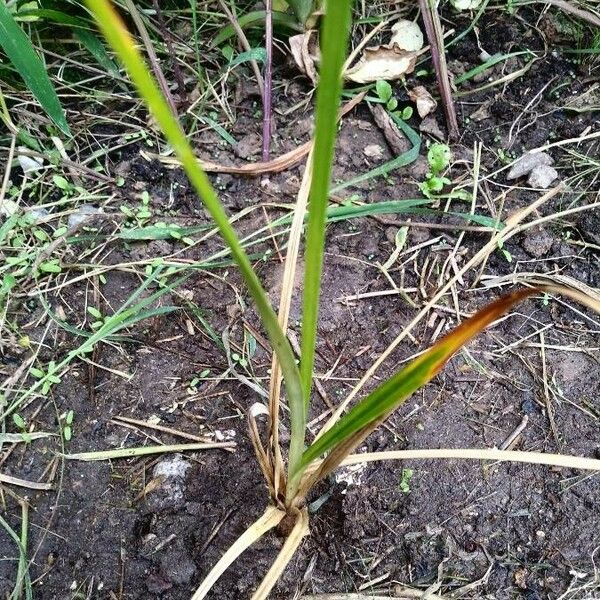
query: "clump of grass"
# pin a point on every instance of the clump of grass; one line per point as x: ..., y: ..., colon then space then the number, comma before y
x: 292, y: 472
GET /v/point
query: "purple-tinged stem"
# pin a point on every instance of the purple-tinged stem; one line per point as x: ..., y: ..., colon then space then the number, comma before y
x: 433, y: 28
x: 268, y: 95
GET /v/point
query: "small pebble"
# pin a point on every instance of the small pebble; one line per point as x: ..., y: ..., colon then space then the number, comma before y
x: 542, y: 177
x: 373, y: 151
x: 538, y: 243
x: 527, y: 163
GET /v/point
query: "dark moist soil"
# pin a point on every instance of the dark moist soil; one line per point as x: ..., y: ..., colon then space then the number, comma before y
x: 117, y: 530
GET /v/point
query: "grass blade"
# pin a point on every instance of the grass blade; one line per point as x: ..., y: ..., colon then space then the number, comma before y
x: 392, y: 393
x: 145, y: 450
x: 24, y: 483
x: 271, y: 518
x: 253, y: 19
x: 95, y: 47
x: 336, y: 29
x: 22, y: 55
x: 536, y: 458
x: 302, y: 9
x: 287, y: 552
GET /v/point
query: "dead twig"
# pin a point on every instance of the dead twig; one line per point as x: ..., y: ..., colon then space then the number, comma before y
x: 433, y: 28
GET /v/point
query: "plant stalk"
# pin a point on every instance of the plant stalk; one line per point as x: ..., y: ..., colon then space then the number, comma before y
x: 268, y: 93
x: 335, y: 34
x: 433, y: 28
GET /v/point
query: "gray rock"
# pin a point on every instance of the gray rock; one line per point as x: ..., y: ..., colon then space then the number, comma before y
x: 542, y: 177
x: 83, y: 213
x: 172, y: 467
x: 527, y: 163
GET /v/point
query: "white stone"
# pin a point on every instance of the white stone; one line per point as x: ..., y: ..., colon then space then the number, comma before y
x: 527, y: 163
x: 542, y: 177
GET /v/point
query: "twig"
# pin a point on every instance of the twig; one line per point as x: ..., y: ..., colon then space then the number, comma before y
x: 32, y: 485
x: 433, y: 27
x: 569, y: 7
x: 509, y: 442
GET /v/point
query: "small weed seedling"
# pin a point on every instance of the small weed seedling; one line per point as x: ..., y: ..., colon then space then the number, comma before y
x: 386, y: 95
x: 291, y: 471
x: 438, y: 157
x: 66, y: 420
x: 407, y: 475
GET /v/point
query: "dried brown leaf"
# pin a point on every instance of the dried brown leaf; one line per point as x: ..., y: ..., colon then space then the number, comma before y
x: 425, y: 102
x: 305, y: 51
x: 387, y: 62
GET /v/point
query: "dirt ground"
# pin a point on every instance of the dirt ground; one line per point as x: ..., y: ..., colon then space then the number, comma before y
x: 476, y: 530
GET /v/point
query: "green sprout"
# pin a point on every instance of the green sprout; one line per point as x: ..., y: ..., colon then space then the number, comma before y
x: 438, y: 157
x: 386, y: 95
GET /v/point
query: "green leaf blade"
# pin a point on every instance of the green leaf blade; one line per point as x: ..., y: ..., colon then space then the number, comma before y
x: 21, y: 53
x: 336, y: 30
x: 392, y: 393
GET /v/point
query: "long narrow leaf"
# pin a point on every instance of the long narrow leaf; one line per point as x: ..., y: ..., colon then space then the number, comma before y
x: 336, y: 29
x: 302, y: 9
x: 95, y: 47
x: 21, y: 54
x: 392, y: 393
x: 121, y: 41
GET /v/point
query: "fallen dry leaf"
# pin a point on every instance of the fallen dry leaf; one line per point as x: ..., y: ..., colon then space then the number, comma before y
x: 425, y: 102
x: 387, y: 62
x: 482, y: 113
x: 305, y: 51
